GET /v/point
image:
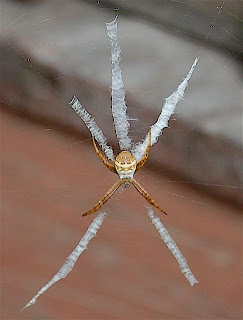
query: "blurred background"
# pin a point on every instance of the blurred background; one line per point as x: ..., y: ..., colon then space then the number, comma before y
x: 50, y: 174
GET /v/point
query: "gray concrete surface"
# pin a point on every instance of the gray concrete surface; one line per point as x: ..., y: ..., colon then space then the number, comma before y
x: 73, y: 37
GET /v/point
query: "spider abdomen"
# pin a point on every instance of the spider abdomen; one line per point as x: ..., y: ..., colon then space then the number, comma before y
x: 125, y: 164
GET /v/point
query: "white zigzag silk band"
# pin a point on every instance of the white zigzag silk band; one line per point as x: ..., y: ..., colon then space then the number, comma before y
x: 72, y: 258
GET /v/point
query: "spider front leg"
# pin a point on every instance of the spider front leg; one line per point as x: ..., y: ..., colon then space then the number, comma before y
x: 145, y: 194
x: 110, y: 166
x: 106, y: 197
x: 145, y: 157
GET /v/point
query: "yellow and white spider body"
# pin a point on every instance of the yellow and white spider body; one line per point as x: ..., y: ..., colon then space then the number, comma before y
x: 125, y: 165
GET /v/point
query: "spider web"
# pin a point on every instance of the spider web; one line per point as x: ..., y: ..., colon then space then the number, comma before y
x: 215, y: 36
x: 46, y: 35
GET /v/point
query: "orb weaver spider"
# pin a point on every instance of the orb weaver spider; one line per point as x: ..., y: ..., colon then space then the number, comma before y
x: 125, y: 165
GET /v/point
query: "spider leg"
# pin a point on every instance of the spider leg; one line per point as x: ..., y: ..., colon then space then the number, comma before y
x: 110, y: 166
x: 145, y: 194
x: 106, y: 197
x: 145, y: 157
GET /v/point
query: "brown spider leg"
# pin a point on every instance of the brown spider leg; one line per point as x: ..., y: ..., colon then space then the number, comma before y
x: 145, y: 157
x: 145, y: 194
x: 106, y: 197
x: 110, y: 166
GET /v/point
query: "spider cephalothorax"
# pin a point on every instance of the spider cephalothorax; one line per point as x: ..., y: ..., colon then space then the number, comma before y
x: 125, y: 165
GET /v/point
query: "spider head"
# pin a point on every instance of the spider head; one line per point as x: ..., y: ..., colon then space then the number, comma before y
x: 125, y: 164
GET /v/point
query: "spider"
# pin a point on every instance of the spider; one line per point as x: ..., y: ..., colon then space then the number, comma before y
x: 125, y: 165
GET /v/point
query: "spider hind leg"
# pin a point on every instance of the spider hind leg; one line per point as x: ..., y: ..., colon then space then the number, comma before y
x: 105, y: 198
x: 146, y: 195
